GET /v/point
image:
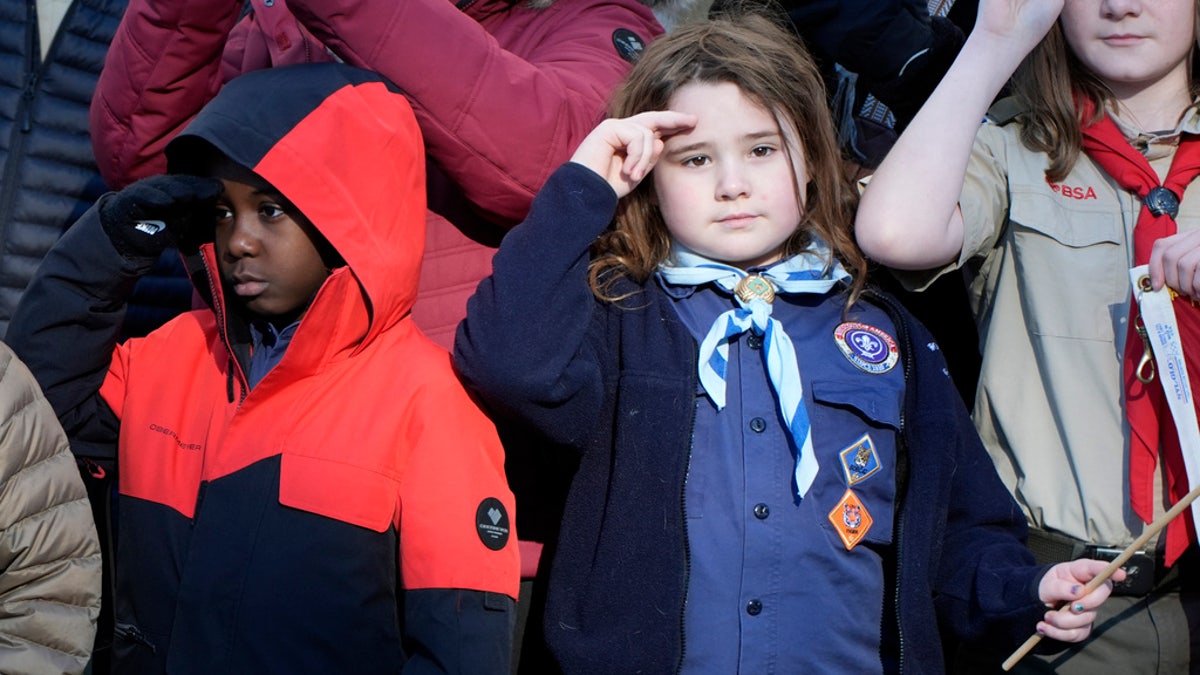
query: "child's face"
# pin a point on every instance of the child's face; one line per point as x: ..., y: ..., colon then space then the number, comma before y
x: 1132, y: 45
x: 727, y: 188
x: 265, y: 249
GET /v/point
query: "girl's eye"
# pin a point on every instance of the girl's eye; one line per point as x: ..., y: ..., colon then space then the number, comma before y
x: 222, y: 214
x: 762, y: 150
x: 698, y: 160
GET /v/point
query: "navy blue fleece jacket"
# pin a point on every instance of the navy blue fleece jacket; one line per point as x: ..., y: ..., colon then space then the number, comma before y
x: 618, y: 383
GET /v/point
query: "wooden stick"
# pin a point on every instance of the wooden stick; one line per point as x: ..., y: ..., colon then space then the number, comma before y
x: 1113, y: 566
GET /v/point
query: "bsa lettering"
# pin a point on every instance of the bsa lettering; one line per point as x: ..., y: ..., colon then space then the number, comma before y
x: 1074, y: 191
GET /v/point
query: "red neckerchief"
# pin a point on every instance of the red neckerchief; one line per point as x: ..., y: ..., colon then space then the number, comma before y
x: 1150, y: 422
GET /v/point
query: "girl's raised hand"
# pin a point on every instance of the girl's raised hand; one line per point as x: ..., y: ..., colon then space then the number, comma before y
x: 1022, y: 23
x: 624, y: 150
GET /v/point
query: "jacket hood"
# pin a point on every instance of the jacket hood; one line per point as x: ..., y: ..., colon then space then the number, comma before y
x: 343, y: 146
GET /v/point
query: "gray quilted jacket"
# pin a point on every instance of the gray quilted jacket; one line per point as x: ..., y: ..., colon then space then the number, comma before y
x: 49, y: 553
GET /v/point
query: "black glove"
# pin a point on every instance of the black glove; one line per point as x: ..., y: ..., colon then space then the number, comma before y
x: 137, y: 219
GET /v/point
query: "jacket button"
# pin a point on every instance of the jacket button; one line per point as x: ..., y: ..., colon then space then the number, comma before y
x: 754, y: 341
x: 753, y: 607
x: 761, y: 511
x: 758, y: 425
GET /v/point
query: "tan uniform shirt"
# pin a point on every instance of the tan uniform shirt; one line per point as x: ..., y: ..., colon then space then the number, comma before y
x: 1047, y: 271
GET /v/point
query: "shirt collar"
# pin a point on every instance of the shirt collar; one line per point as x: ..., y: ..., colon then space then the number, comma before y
x: 1158, y: 144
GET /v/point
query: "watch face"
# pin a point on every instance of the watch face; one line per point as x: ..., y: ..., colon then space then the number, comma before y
x: 1162, y: 201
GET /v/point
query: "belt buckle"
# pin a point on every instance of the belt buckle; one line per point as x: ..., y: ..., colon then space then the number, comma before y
x: 1139, y: 570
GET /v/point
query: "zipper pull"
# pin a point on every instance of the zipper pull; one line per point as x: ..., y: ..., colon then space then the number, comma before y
x: 27, y: 97
x: 95, y: 470
x: 132, y: 633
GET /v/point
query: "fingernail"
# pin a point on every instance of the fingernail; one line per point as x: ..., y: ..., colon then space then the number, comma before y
x: 1078, y: 607
x: 1041, y: 630
x: 1075, y: 589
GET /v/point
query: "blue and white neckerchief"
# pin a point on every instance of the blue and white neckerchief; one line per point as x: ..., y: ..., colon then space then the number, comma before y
x: 813, y: 271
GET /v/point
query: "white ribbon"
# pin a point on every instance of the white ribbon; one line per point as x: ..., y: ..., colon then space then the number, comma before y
x: 1158, y: 316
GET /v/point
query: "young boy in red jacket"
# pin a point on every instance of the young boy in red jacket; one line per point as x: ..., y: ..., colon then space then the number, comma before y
x: 304, y: 485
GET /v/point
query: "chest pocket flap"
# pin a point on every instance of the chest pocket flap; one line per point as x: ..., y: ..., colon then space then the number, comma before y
x: 340, y: 491
x: 878, y: 399
x: 1074, y: 227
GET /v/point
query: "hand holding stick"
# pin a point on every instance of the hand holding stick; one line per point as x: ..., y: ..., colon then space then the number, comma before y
x: 1116, y: 564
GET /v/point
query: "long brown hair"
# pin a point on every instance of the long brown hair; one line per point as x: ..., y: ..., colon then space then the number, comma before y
x: 1046, y: 83
x: 771, y: 67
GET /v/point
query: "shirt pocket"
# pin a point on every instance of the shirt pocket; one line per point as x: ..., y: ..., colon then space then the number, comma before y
x: 853, y: 418
x: 344, y: 492
x: 1071, y: 266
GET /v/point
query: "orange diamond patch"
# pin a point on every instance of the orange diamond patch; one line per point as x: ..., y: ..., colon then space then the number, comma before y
x: 850, y: 519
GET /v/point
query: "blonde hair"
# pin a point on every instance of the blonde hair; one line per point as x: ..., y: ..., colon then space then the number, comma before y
x: 771, y: 67
x: 1046, y: 84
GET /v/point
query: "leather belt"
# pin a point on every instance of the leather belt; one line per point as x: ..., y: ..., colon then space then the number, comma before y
x: 1142, y: 570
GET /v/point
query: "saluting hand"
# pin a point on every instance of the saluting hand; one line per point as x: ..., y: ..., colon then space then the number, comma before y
x: 142, y: 220
x: 623, y: 151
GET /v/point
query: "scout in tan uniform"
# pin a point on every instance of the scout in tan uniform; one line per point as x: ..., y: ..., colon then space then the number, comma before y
x: 1045, y: 236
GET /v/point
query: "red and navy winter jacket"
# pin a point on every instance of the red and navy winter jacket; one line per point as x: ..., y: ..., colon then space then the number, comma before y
x: 350, y: 512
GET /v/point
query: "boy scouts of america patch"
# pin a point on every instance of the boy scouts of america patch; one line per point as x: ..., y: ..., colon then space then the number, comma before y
x: 850, y: 519
x: 491, y: 523
x: 859, y: 460
x: 629, y: 45
x: 867, y: 347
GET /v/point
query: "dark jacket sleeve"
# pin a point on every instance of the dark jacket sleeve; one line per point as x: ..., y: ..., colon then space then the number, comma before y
x: 874, y: 38
x: 67, y: 324
x: 456, y: 631
x: 985, y: 579
x: 527, y: 345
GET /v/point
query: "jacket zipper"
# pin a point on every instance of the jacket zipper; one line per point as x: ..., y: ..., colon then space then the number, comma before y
x: 34, y: 58
x: 233, y: 380
x: 17, y: 143
x: 23, y: 118
x: 128, y: 631
x: 33, y: 63
x: 27, y: 97
x: 687, y: 548
x: 906, y: 353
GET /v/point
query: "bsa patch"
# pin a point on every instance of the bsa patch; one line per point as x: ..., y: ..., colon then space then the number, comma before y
x: 867, y: 347
x: 850, y: 519
x: 629, y: 45
x: 859, y: 460
x: 491, y: 523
